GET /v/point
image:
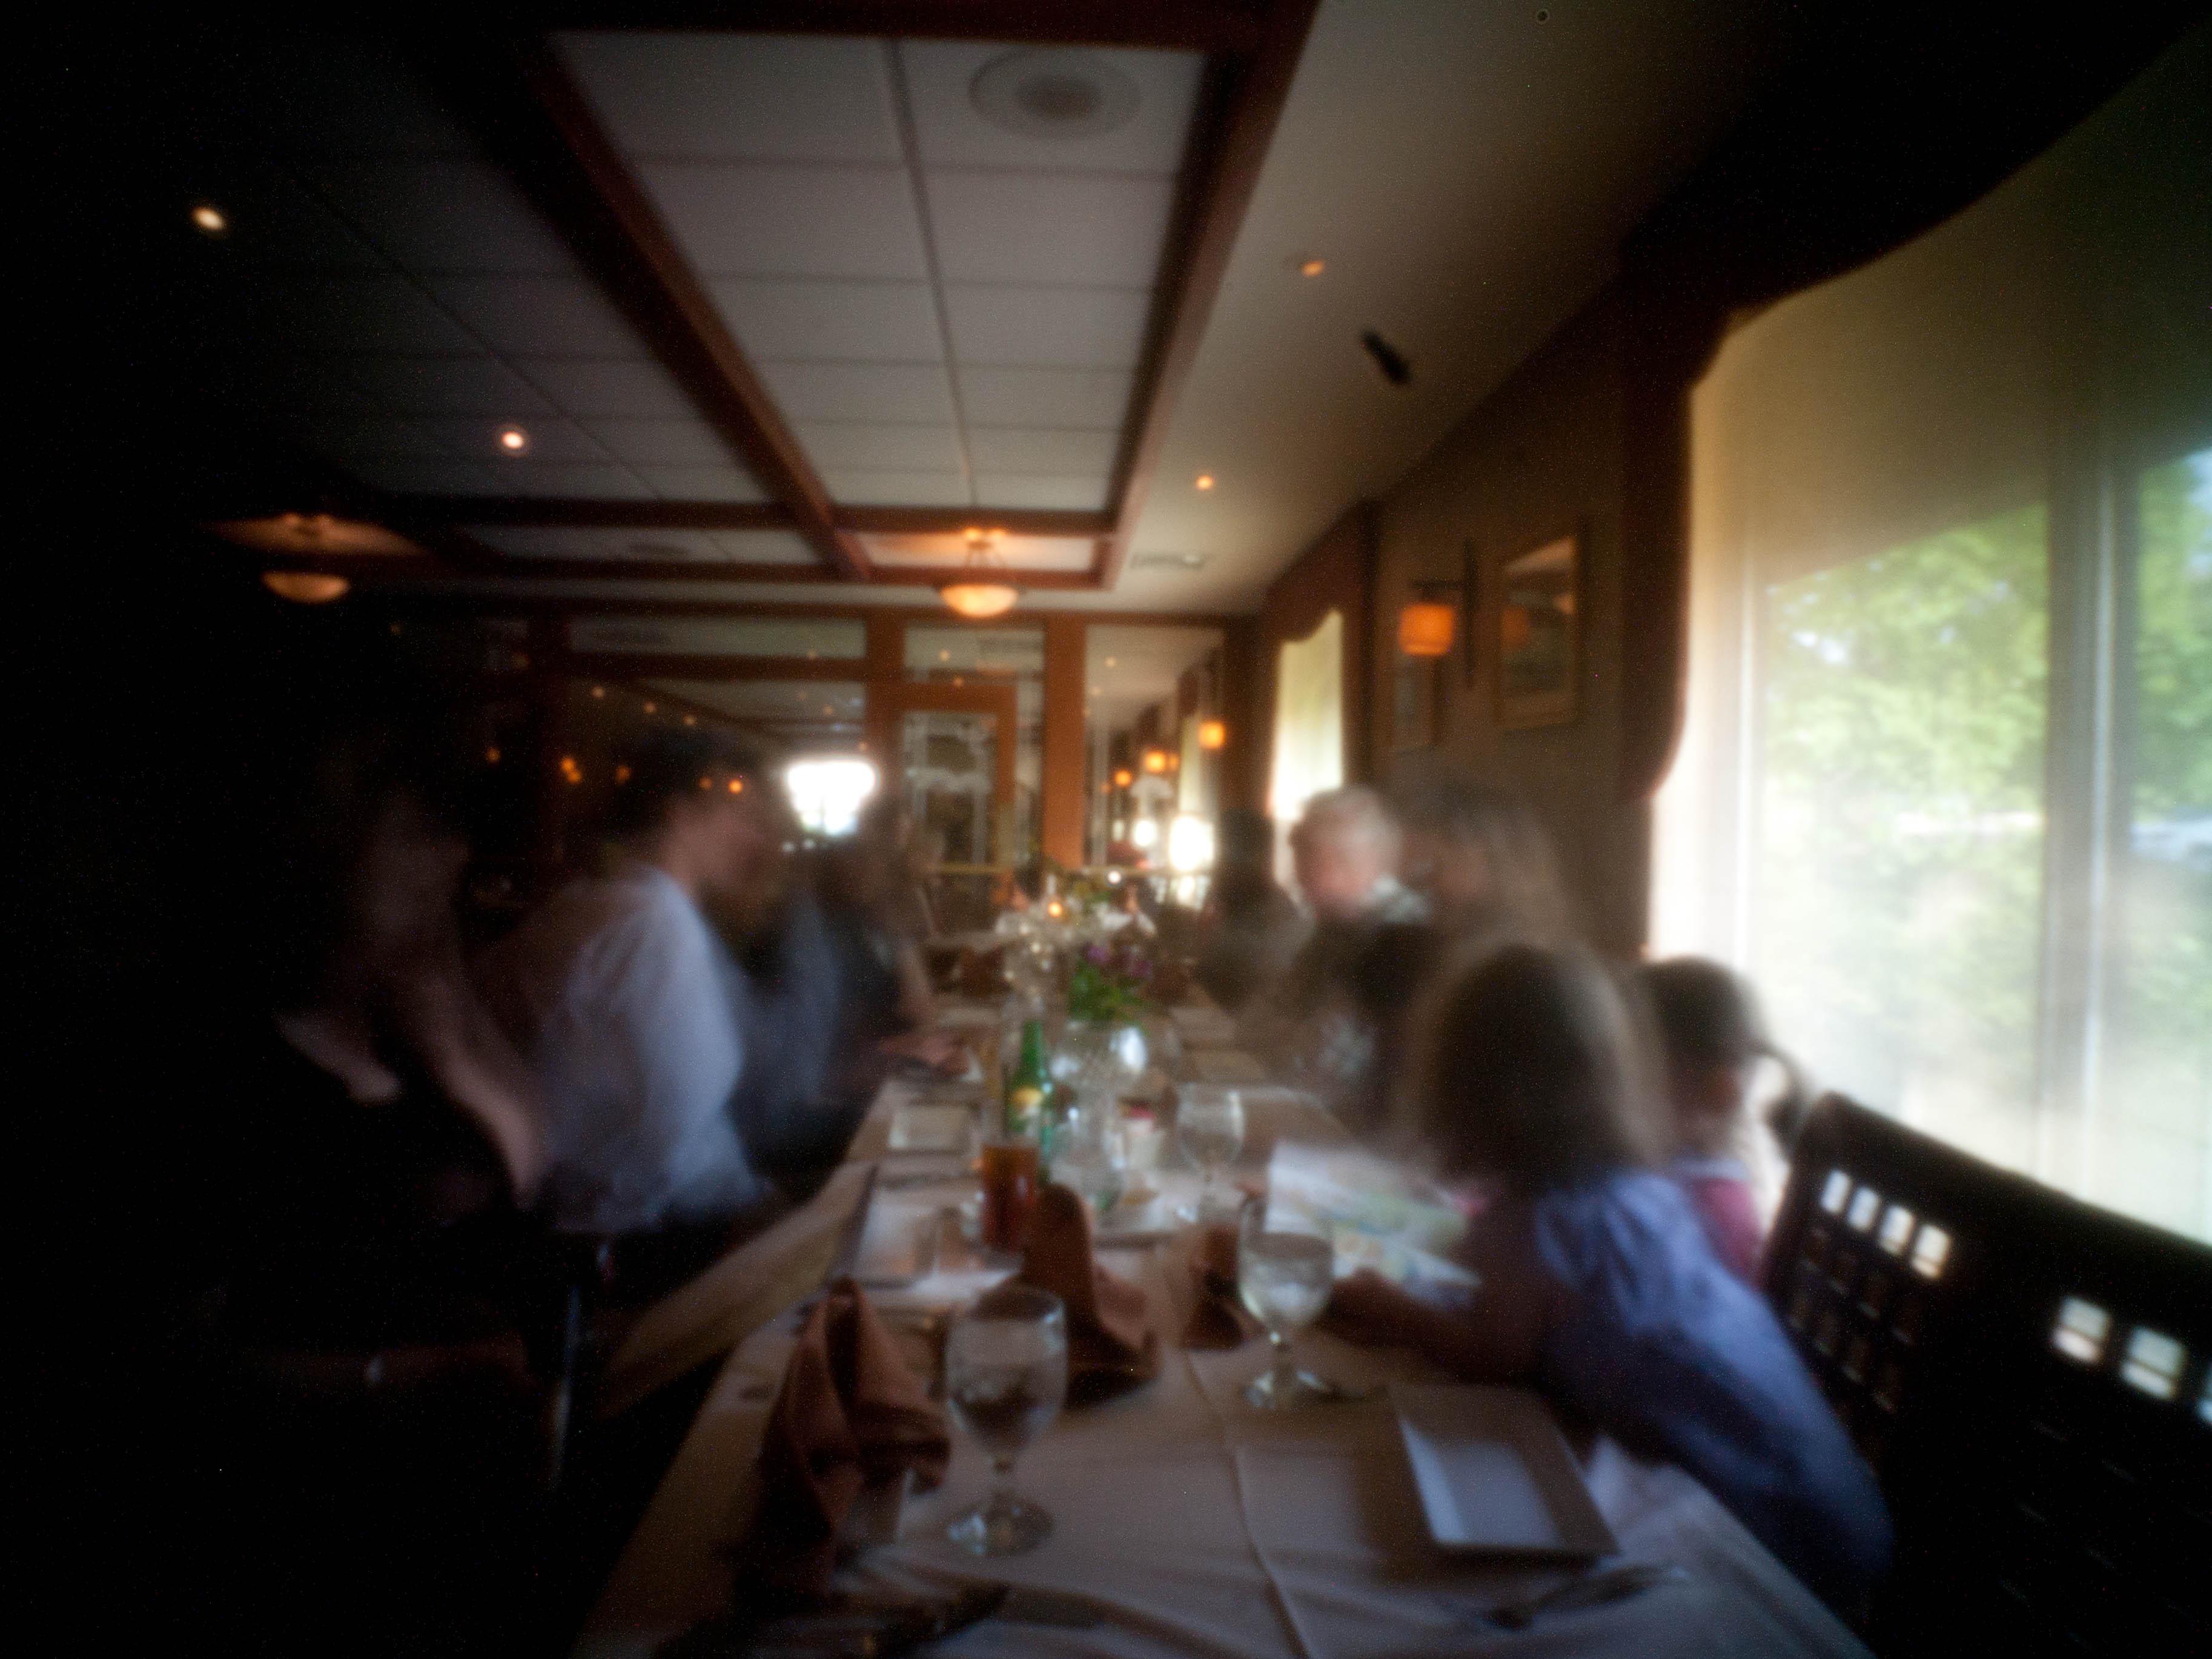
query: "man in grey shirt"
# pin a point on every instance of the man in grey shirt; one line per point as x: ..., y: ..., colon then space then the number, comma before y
x: 627, y: 1001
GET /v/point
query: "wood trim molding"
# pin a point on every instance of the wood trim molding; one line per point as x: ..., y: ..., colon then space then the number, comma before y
x: 1242, y: 101
x: 1209, y: 26
x: 423, y: 598
x: 1063, y: 802
x: 529, y: 511
x: 634, y: 664
x: 520, y: 103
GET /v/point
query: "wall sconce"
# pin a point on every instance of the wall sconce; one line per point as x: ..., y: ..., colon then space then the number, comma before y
x: 1213, y: 734
x: 1429, y: 625
x: 1124, y: 778
x: 1156, y: 761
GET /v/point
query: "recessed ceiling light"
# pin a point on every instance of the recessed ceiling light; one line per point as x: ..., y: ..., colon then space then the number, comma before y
x: 1053, y: 94
x: 1205, y: 480
x: 1312, y: 267
x: 210, y: 219
x: 514, y: 441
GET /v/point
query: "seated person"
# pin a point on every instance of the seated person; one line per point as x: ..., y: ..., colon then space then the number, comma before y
x: 626, y: 1001
x: 1482, y: 861
x: 798, y: 1103
x: 1711, y: 1041
x: 874, y: 910
x: 1250, y: 930
x: 1597, y: 1283
x: 1345, y: 852
x: 357, y: 1277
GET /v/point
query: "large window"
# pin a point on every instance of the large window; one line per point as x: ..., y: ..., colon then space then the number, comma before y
x: 1899, y: 831
x: 1946, y: 786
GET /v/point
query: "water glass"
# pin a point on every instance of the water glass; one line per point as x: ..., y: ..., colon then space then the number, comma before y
x: 1284, y: 1276
x: 1005, y: 1375
x: 1210, y: 1124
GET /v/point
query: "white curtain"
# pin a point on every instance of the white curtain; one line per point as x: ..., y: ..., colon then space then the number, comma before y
x: 1946, y: 788
x: 1309, y: 746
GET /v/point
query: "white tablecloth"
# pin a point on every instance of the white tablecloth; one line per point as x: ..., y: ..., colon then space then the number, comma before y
x: 1199, y: 1527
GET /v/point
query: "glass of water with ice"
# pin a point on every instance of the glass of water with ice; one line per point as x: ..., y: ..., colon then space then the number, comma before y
x: 1005, y: 1374
x: 1284, y: 1276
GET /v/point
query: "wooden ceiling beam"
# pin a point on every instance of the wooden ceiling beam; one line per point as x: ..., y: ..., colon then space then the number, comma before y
x: 570, y: 513
x: 1242, y: 102
x: 397, y: 573
x: 522, y: 106
x: 417, y: 599
x: 1208, y: 26
x: 701, y: 666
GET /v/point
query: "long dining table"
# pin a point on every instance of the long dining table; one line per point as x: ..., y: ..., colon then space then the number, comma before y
x: 1187, y: 1522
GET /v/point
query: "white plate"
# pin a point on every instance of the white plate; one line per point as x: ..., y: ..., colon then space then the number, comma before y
x: 897, y: 1246
x: 932, y: 1128
x: 1494, y: 1473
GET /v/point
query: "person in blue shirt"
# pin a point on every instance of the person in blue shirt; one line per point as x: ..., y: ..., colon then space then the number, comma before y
x: 628, y: 1004
x: 1597, y: 1283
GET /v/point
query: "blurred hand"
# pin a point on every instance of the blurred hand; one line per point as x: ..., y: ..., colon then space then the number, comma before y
x: 939, y: 1050
x: 1369, y: 1309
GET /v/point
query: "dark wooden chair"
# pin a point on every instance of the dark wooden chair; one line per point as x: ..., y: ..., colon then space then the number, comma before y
x: 2028, y: 1377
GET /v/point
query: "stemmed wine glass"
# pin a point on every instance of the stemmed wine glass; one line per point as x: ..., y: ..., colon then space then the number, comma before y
x: 1005, y: 1374
x: 1210, y: 1123
x: 1284, y: 1277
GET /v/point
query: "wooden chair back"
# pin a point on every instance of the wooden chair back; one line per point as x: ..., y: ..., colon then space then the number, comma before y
x: 2027, y: 1375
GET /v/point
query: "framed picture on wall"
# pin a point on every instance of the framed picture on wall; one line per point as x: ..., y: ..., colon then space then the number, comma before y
x: 1413, y: 702
x: 1539, y: 642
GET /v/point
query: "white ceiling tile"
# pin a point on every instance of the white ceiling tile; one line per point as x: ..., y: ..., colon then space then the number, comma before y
x: 1048, y: 327
x: 538, y: 316
x: 588, y: 387
x: 551, y: 440
x: 1096, y: 397
x: 738, y: 97
x: 1102, y: 229
x: 858, y: 488
x: 834, y: 322
x: 1040, y: 449
x: 726, y: 483
x: 668, y: 546
x: 380, y: 436
x: 539, y: 541
x: 766, y: 547
x: 311, y: 385
x: 916, y: 393
x: 759, y: 219
x: 1034, y: 490
x: 864, y: 447
x: 1015, y: 552
x: 351, y: 96
x: 663, y: 443
x: 433, y: 215
x: 582, y: 481
x: 449, y: 386
x: 424, y: 478
x: 953, y: 132
x: 357, y: 313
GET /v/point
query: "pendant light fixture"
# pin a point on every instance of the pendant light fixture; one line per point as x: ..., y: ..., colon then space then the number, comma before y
x: 981, y: 591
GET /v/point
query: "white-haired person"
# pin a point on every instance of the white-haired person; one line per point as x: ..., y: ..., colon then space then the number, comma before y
x: 1310, y: 1025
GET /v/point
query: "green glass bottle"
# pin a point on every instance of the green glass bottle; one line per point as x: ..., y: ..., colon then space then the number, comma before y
x: 1029, y: 1087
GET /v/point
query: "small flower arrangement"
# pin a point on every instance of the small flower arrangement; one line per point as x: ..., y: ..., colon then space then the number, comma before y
x: 1110, y: 982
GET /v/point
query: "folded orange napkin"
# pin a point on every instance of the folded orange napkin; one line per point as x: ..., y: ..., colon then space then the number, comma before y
x: 1111, y: 1344
x: 850, y: 1415
x: 1218, y: 1317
